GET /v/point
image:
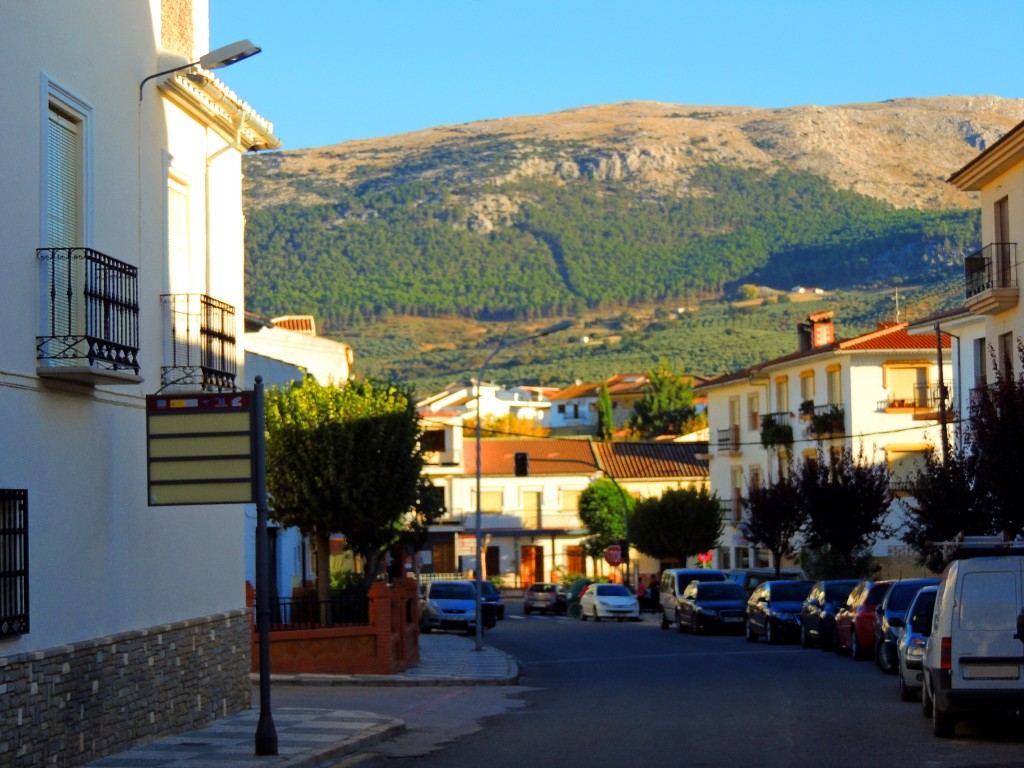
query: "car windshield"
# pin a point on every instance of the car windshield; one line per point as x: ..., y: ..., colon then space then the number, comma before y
x: 794, y: 592
x: 901, y: 596
x: 877, y: 594
x: 921, y: 618
x: 440, y: 591
x: 612, y: 590
x: 720, y: 590
x: 836, y: 593
x: 487, y: 588
x: 543, y: 588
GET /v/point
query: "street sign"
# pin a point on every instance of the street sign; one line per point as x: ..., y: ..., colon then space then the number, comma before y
x: 199, y: 448
x: 613, y: 554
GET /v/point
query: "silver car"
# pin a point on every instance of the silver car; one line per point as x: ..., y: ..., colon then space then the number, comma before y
x: 912, y: 636
x: 449, y: 605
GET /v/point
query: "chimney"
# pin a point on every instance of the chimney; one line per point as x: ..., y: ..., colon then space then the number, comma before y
x: 817, y: 330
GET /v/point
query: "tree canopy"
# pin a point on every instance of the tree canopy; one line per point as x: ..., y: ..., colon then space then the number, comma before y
x: 773, y: 517
x: 603, y: 507
x: 666, y: 408
x: 343, y: 459
x: 680, y: 523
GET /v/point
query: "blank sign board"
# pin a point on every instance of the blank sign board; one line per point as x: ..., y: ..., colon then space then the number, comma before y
x: 200, y: 448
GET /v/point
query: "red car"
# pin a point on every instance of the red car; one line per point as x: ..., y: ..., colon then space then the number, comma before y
x: 855, y: 622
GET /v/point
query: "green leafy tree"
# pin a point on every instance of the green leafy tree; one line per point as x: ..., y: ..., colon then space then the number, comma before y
x: 773, y: 517
x: 603, y: 508
x: 666, y: 407
x: 946, y: 502
x: 997, y: 423
x: 680, y: 523
x: 846, y: 500
x: 344, y: 459
x: 605, y: 414
x: 747, y: 291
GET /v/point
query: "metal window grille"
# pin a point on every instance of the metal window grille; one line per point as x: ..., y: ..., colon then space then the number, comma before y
x: 92, y: 310
x: 200, y: 345
x: 13, y: 562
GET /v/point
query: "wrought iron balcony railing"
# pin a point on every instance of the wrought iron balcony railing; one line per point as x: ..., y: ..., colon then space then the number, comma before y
x: 200, y: 344
x: 776, y: 429
x: 827, y: 419
x: 922, y: 397
x: 91, y: 323
x: 729, y: 439
x: 990, y: 278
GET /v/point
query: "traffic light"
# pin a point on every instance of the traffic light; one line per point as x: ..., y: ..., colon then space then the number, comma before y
x: 522, y: 460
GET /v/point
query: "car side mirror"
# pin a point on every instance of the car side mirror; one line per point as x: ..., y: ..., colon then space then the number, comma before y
x: 897, y: 622
x: 1020, y: 626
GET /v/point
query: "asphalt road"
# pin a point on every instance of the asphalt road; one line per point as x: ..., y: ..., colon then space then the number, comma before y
x: 631, y: 693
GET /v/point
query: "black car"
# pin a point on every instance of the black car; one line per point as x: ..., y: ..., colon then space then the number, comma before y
x: 774, y: 610
x: 818, y: 613
x: 894, y: 605
x: 708, y: 606
x: 491, y: 595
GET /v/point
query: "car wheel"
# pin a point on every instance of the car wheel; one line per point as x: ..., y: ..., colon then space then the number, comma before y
x: 856, y: 651
x: 527, y: 610
x: 943, y: 723
x: 749, y: 632
x: 926, y: 701
x: 906, y: 692
x: 597, y: 616
x: 697, y: 628
x: 884, y: 658
x: 583, y: 615
x: 805, y: 637
x: 664, y: 619
x: 425, y: 629
x: 826, y: 641
x: 769, y: 635
x: 622, y: 618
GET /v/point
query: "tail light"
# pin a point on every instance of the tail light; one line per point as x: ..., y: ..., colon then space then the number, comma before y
x: 946, y: 654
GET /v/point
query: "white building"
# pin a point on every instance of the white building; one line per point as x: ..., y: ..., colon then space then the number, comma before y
x: 878, y: 391
x: 122, y: 214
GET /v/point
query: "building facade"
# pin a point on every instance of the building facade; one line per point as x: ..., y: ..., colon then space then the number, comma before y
x: 119, y: 621
x: 877, y: 393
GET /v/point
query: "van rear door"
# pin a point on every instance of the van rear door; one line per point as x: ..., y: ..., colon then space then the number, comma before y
x: 986, y: 654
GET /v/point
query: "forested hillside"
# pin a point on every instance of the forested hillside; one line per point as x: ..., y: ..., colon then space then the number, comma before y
x: 600, y: 212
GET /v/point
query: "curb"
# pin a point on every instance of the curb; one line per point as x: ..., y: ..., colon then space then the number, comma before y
x: 368, y: 737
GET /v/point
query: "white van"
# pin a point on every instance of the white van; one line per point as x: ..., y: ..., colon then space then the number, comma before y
x: 673, y: 582
x: 974, y: 659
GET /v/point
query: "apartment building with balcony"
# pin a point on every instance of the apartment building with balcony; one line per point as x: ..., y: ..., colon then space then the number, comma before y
x: 992, y: 273
x: 879, y: 391
x: 122, y: 212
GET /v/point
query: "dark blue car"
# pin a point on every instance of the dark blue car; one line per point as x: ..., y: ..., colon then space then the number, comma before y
x: 773, y: 610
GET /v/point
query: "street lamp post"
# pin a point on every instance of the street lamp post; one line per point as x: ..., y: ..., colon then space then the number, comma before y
x: 479, y: 539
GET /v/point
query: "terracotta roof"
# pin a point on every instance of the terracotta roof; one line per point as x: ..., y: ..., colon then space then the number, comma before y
x: 547, y: 456
x: 577, y: 390
x: 892, y: 336
x: 633, y: 461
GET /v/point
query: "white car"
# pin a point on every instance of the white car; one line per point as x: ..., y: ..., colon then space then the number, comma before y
x: 609, y: 601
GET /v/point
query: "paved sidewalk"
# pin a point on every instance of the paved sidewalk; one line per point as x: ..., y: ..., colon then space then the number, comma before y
x: 310, y: 737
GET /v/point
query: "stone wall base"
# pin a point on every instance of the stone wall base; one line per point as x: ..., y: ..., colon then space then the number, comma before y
x: 69, y: 705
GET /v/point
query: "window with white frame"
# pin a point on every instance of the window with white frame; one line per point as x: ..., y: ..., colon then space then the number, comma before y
x: 807, y: 386
x: 834, y: 385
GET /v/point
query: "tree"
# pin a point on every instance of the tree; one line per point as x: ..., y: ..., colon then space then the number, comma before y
x: 946, y: 502
x: 666, y: 407
x: 605, y: 414
x: 773, y: 517
x: 343, y: 460
x: 680, y: 523
x: 846, y: 502
x: 603, y: 507
x: 997, y: 423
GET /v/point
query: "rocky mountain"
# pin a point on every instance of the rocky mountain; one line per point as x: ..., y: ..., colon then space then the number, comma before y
x: 899, y: 151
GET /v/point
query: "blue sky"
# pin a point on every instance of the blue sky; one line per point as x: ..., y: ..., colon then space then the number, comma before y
x: 336, y: 70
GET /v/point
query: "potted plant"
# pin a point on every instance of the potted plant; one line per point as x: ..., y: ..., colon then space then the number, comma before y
x: 829, y: 421
x: 774, y: 433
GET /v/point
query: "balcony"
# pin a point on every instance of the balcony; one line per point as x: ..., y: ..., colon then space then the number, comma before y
x: 828, y: 420
x: 200, y: 344
x: 990, y: 279
x: 924, y: 402
x: 776, y: 430
x: 91, y: 323
x: 729, y: 440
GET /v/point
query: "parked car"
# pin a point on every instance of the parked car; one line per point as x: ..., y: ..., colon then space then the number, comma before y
x: 609, y: 601
x: 449, y: 605
x: 708, y: 606
x: 818, y: 613
x: 972, y: 660
x: 674, y: 581
x: 546, y: 597
x: 912, y: 635
x: 894, y: 605
x: 773, y: 610
x: 854, y: 630
x: 751, y: 578
x: 491, y: 595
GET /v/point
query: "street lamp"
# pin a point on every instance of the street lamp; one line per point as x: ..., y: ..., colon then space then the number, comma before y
x: 222, y: 57
x: 479, y: 540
